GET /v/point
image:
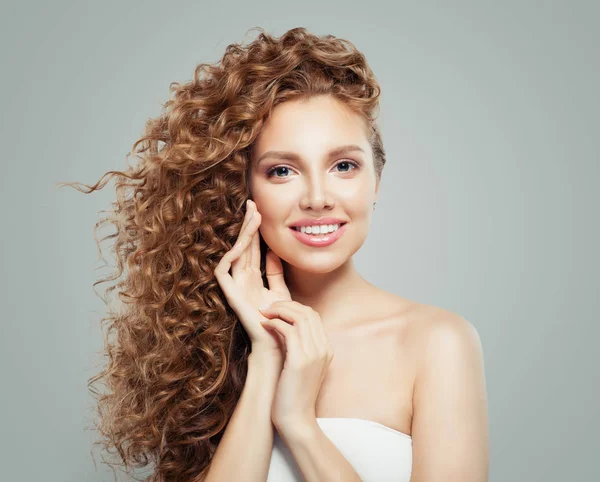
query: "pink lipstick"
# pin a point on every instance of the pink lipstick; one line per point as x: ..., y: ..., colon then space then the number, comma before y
x: 321, y: 240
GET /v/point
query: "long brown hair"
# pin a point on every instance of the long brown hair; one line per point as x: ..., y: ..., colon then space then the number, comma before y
x: 176, y: 353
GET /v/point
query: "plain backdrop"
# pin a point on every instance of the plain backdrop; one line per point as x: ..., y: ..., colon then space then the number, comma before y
x: 488, y: 207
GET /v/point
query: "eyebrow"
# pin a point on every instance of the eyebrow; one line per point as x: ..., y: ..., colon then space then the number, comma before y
x: 292, y: 156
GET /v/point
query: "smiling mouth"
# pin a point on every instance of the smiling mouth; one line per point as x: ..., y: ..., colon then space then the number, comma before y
x: 298, y: 229
x: 319, y: 240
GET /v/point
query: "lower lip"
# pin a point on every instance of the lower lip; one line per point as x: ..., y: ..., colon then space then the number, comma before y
x: 321, y: 240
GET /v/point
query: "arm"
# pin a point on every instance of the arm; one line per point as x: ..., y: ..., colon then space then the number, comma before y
x: 316, y: 455
x: 307, y: 356
x: 450, y: 421
x: 244, y: 452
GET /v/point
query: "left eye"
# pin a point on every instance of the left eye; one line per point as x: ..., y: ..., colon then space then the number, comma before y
x: 350, y: 163
x: 271, y: 171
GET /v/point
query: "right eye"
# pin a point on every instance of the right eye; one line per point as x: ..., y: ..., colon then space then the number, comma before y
x: 271, y: 171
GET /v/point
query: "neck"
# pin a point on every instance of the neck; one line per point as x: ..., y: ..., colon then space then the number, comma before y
x: 327, y: 293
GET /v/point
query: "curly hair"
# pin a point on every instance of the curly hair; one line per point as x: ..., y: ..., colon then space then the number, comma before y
x: 176, y: 352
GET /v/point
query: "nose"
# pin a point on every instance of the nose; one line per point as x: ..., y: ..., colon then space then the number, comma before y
x: 317, y: 196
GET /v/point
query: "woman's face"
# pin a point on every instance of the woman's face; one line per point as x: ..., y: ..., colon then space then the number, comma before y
x: 311, y: 182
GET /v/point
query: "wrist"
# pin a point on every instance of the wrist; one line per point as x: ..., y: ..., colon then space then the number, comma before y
x: 264, y: 362
x: 299, y: 430
x: 265, y: 355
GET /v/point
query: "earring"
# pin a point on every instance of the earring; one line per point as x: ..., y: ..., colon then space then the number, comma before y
x: 374, y: 205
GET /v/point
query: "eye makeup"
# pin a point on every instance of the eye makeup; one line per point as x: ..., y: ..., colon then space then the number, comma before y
x: 271, y: 171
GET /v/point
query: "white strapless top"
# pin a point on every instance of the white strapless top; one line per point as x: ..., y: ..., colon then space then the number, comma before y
x: 378, y: 453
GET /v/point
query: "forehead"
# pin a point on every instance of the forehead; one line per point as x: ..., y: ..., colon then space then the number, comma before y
x: 311, y: 126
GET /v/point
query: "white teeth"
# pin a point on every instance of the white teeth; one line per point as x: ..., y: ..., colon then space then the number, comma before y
x: 323, y: 229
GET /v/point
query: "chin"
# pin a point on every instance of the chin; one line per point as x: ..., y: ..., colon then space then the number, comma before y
x: 317, y: 263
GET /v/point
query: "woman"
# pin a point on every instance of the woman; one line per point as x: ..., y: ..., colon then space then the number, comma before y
x: 273, y: 359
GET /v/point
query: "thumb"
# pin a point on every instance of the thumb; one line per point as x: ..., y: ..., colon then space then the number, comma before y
x: 274, y: 272
x: 272, y: 329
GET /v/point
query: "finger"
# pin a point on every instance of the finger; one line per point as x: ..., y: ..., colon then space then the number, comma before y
x: 224, y: 279
x: 275, y: 276
x: 322, y: 335
x: 287, y: 311
x: 278, y: 338
x: 247, y: 217
x: 290, y: 338
x: 230, y: 260
x: 243, y: 242
x: 316, y: 326
x: 313, y: 319
x: 319, y: 331
x: 246, y: 262
x: 254, y: 250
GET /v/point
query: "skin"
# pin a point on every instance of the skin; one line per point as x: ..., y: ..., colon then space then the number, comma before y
x: 397, y: 362
x: 313, y: 186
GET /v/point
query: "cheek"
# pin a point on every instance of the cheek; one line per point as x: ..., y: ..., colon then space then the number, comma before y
x: 264, y: 197
x: 274, y: 207
x: 275, y: 238
x: 268, y: 213
x: 356, y: 196
x: 358, y: 207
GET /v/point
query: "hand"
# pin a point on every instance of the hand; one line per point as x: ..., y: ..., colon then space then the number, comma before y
x: 244, y: 289
x: 308, y: 355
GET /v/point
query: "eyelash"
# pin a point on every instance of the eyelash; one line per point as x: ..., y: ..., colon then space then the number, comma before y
x: 272, y: 170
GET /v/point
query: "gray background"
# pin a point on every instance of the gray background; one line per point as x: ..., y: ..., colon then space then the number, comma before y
x: 490, y: 117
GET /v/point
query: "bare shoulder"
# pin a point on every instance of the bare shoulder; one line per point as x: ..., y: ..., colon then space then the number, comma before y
x: 431, y: 319
x: 422, y: 321
x: 439, y: 325
x: 429, y: 331
x: 433, y: 327
x: 449, y: 397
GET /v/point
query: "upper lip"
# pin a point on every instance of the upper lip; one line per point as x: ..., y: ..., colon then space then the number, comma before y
x: 317, y: 222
